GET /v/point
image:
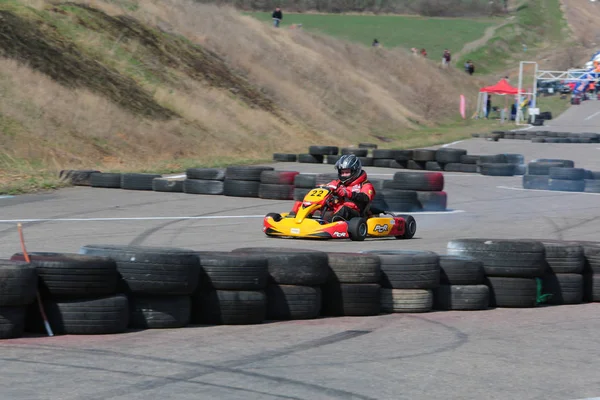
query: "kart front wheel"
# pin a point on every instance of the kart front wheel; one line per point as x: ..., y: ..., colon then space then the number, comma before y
x: 357, y: 228
x: 410, y: 227
x: 276, y: 217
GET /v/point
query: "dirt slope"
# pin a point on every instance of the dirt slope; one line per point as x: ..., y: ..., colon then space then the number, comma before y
x: 129, y: 86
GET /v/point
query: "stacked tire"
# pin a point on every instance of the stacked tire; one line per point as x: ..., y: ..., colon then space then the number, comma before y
x: 295, y: 278
x: 408, y: 279
x: 243, y: 181
x: 204, y: 181
x: 591, y: 274
x: 412, y: 191
x: 277, y: 185
x: 563, y: 280
x: 158, y: 281
x: 361, y: 153
x: 231, y: 289
x: 566, y: 179
x: 462, y: 285
x: 105, y: 180
x: 353, y: 285
x: 511, y: 268
x: 134, y: 181
x: 538, y: 172
x: 167, y: 185
x: 316, y: 154
x: 592, y: 181
x: 502, y: 165
x: 19, y: 287
x: 303, y: 183
x: 390, y: 158
x: 80, y: 294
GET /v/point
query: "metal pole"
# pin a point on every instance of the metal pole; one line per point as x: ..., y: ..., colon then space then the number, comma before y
x: 519, y: 113
x: 535, y: 74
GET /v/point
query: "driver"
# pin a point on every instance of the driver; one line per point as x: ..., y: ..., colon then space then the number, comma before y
x: 355, y: 193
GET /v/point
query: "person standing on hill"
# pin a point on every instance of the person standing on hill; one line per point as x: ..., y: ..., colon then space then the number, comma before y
x: 277, y: 17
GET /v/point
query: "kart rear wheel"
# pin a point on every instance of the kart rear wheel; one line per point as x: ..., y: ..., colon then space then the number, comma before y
x: 410, y: 227
x: 275, y: 216
x: 357, y: 228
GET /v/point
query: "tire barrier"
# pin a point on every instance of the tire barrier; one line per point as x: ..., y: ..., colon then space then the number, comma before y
x: 560, y: 175
x: 544, y: 136
x: 111, y: 289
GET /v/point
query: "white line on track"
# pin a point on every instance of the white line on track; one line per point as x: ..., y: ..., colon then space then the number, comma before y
x: 6, y: 197
x: 547, y: 191
x: 450, y: 144
x: 8, y: 221
x: 592, y: 116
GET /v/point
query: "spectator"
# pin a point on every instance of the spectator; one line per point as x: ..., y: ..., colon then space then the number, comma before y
x: 488, y: 106
x: 277, y: 17
x: 446, y: 58
x: 467, y: 67
x: 415, y: 51
x: 423, y: 52
x: 471, y: 68
x: 375, y: 43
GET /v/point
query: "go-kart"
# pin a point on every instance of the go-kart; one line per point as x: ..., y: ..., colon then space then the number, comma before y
x: 312, y: 220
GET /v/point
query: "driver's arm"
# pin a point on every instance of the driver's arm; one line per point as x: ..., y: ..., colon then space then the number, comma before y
x: 360, y: 199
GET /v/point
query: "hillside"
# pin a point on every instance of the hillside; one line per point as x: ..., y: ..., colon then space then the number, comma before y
x: 160, y: 85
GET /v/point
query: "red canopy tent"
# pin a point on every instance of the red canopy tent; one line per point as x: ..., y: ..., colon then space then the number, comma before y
x: 502, y: 87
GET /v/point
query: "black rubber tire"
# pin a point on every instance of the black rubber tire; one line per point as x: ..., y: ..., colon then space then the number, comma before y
x: 300, y: 193
x: 289, y: 302
x: 408, y: 269
x: 411, y: 227
x: 537, y: 182
x: 278, y: 177
x: 469, y: 168
x: 406, y: 300
x: 433, y: 201
x: 382, y: 162
x: 461, y: 297
x: 353, y: 299
x: 305, y: 181
x: 18, y: 283
x: 512, y: 292
x: 105, y: 180
x: 206, y: 174
x: 95, y: 316
x: 457, y: 270
x: 469, y: 159
x: 358, y: 152
x: 354, y: 268
x: 231, y: 271
x: 201, y: 186
x: 78, y: 177
x: 449, y: 155
x: 293, y: 266
x: 357, y: 229
x: 416, y: 165
x: 284, y: 157
x: 229, y: 307
x: 505, y: 258
x: 152, y: 270
x: 492, y: 159
x: 542, y: 167
x: 564, y: 258
x: 310, y: 159
x: 323, y: 179
x: 496, y: 169
x: 245, y: 173
x: 592, y: 186
x: 276, y: 192
x: 323, y: 150
x: 454, y: 167
x: 423, y: 181
x: 564, y: 185
x: 236, y: 188
x: 562, y: 162
x: 367, y: 146
x: 565, y: 288
x: 390, y: 154
x: 366, y: 161
x: 63, y: 274
x: 572, y: 174
x: 132, y: 181
x: 424, y: 155
x: 159, y: 312
x: 167, y: 185
x: 433, y: 166
x: 12, y: 321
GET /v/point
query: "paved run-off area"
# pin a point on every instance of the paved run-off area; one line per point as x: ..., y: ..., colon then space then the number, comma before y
x: 542, y: 353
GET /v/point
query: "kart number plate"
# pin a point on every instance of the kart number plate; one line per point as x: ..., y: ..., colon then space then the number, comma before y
x: 316, y: 194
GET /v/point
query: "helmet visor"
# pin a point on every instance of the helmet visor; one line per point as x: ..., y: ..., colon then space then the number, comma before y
x: 345, y: 173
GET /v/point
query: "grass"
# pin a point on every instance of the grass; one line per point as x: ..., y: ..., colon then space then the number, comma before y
x: 537, y: 25
x: 433, y: 34
x: 325, y: 91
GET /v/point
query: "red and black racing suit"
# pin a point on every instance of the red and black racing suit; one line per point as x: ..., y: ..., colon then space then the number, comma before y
x: 363, y: 193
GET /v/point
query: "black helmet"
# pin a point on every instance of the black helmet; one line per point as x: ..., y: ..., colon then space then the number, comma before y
x: 351, y: 162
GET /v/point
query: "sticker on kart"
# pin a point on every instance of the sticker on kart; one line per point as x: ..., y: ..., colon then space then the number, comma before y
x: 381, y: 228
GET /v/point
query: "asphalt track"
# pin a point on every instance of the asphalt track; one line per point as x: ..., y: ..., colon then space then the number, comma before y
x: 543, y: 353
